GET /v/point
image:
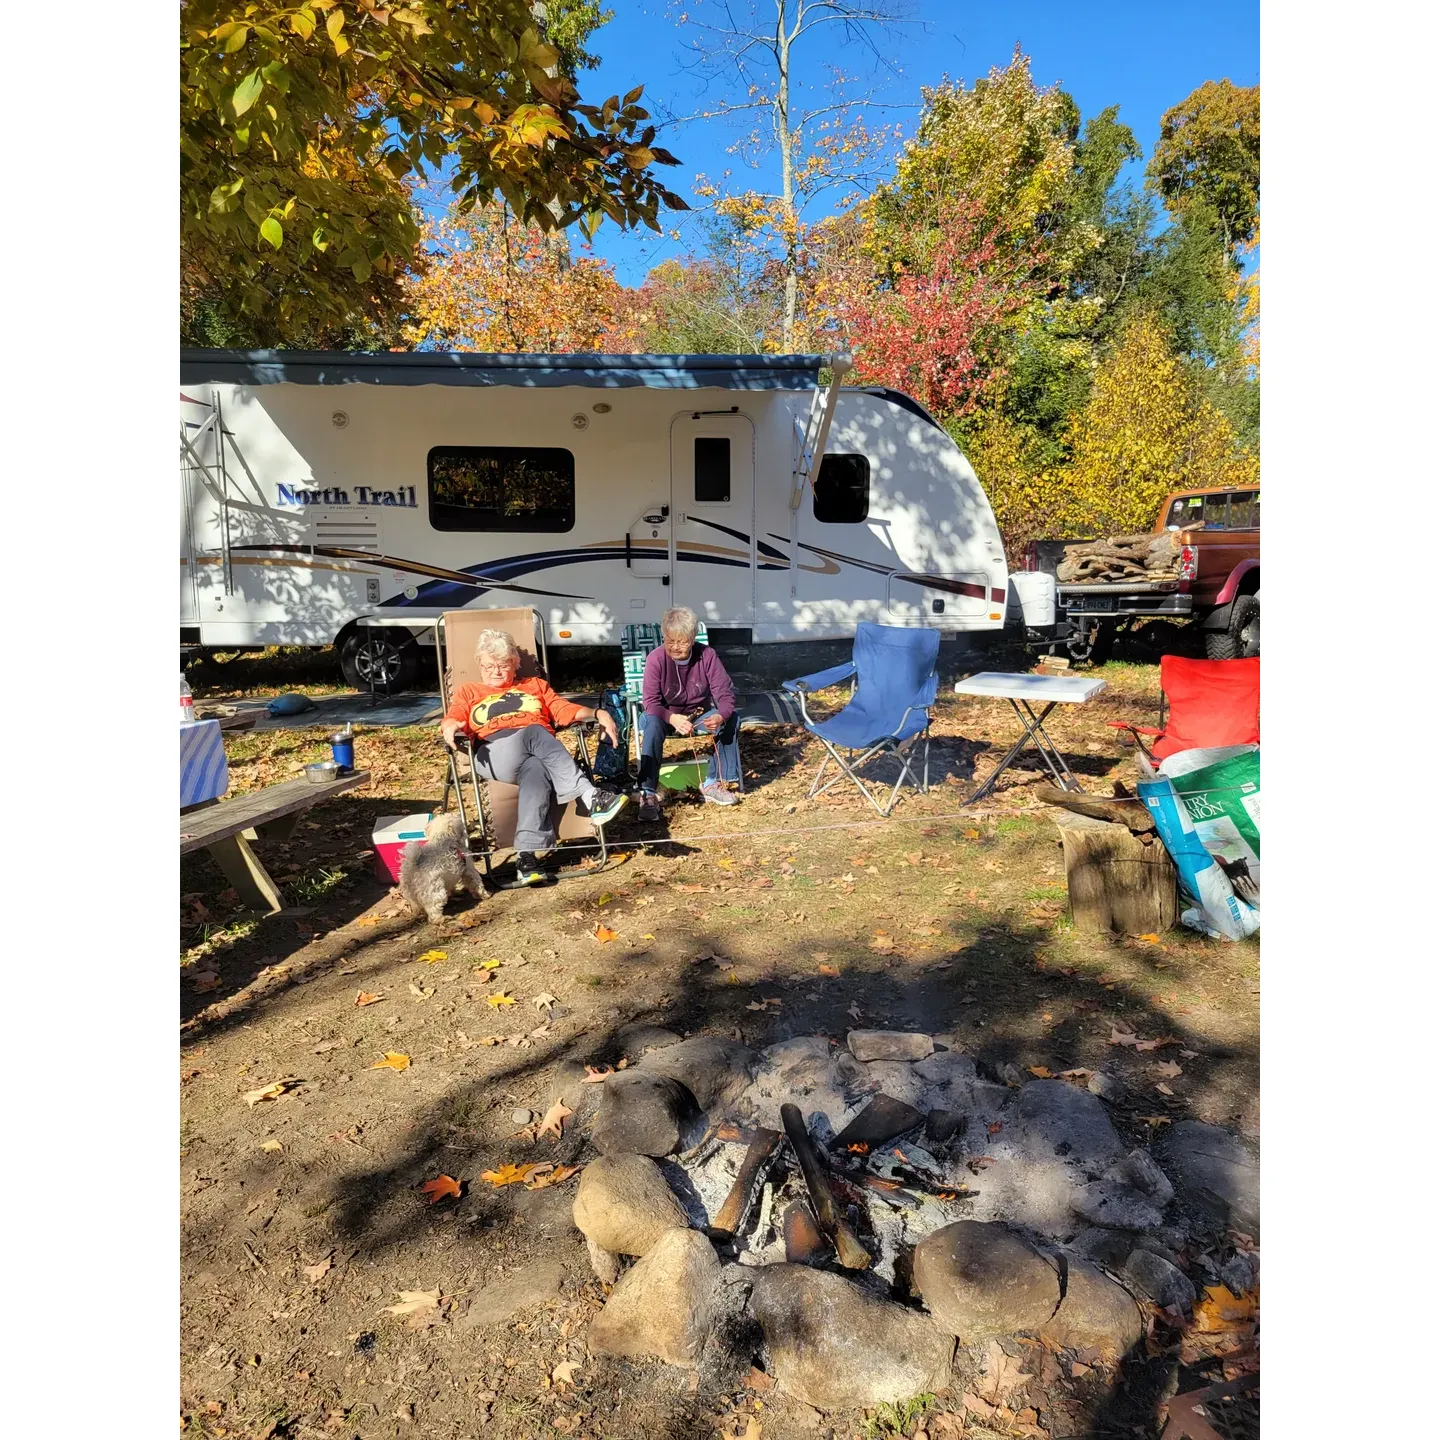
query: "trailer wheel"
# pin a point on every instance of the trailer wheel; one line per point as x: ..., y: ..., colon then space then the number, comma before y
x: 388, y: 659
x: 1240, y: 640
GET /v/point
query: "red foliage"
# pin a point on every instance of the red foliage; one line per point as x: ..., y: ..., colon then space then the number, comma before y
x: 936, y: 331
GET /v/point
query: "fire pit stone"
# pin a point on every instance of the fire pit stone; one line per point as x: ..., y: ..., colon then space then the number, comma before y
x: 713, y: 1069
x: 980, y: 1280
x: 1072, y: 1122
x: 623, y: 1204
x: 867, y: 1045
x: 1095, y: 1311
x: 663, y: 1305
x: 1116, y: 1206
x: 835, y: 1345
x: 642, y: 1114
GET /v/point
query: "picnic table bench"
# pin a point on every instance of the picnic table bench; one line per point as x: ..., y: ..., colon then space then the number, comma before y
x: 226, y: 827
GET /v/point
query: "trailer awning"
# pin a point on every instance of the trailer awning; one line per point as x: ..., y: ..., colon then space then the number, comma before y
x: 601, y: 372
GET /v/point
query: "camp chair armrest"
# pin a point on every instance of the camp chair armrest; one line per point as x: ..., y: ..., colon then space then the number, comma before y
x: 1138, y: 729
x: 821, y: 679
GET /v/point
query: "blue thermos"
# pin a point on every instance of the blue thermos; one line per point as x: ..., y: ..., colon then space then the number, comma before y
x: 342, y: 748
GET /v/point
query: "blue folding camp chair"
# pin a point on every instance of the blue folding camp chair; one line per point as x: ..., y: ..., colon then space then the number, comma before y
x: 895, y: 685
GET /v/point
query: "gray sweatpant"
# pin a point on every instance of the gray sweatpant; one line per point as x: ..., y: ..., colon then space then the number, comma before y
x: 532, y: 759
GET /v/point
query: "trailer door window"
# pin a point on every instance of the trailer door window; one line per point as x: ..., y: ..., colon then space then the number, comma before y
x: 712, y: 469
x: 501, y: 487
x: 842, y: 490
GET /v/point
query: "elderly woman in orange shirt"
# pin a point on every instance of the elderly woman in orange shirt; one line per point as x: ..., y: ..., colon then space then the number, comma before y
x: 511, y: 724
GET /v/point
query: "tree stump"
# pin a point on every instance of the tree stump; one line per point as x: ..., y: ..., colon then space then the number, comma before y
x: 1117, y: 881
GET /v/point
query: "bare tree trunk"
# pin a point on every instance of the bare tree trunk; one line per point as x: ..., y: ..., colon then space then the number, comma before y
x: 786, y: 137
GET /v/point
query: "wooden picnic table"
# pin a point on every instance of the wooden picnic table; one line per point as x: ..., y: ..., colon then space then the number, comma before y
x: 226, y: 827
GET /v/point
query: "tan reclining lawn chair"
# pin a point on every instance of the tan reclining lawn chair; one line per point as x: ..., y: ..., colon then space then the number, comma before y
x: 495, y: 804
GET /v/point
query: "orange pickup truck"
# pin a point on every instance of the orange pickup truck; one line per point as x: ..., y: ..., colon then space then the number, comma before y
x: 1218, y: 587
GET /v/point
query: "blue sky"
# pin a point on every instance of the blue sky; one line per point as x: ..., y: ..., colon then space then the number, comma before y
x: 1144, y: 55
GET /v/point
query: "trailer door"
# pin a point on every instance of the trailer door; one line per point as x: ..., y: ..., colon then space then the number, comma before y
x: 712, y: 502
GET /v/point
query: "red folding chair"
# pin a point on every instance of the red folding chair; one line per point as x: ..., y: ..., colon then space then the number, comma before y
x: 1205, y: 703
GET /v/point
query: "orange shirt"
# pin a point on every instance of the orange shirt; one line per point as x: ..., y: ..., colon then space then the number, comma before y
x: 485, y: 710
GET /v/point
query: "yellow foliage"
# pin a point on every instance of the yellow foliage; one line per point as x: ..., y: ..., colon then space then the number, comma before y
x: 1143, y: 433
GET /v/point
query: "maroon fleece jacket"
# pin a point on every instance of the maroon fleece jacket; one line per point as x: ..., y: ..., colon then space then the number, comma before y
x: 705, y: 686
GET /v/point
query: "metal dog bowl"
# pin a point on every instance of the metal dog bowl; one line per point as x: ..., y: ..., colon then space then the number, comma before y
x: 321, y: 771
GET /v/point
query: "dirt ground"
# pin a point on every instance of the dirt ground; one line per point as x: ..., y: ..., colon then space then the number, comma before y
x: 302, y: 1217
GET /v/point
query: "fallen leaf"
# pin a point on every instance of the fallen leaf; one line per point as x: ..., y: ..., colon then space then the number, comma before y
x: 553, y: 1175
x: 606, y: 898
x: 854, y: 1011
x: 272, y: 1145
x: 1164, y: 1089
x: 604, y: 934
x: 1001, y: 1374
x: 441, y: 1186
x: 544, y: 1000
x: 1148, y: 939
x: 368, y: 920
x: 1189, y: 1054
x: 319, y: 1270
x: 501, y: 997
x: 979, y: 1163
x: 553, y: 1122
x: 883, y: 942
x: 420, y: 994
x: 1119, y: 1036
x: 1040, y: 1072
x: 1157, y: 1044
x: 417, y: 1307
x: 1219, y: 1309
x: 325, y: 1045
x: 433, y: 957
x: 564, y: 1372
x: 393, y: 1061
x: 509, y: 1174
x: 995, y: 1127
x: 268, y: 1092
x: 1169, y: 1069
x: 831, y: 970
x: 594, y: 1074
x: 365, y: 998
x: 489, y: 965
x: 202, y: 981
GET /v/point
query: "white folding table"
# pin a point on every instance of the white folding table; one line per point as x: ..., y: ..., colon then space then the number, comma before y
x: 1020, y: 691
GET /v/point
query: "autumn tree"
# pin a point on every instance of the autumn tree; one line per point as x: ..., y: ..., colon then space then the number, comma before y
x: 303, y: 124
x: 715, y: 301
x: 1208, y: 159
x: 758, y: 51
x: 937, y: 329
x: 494, y: 283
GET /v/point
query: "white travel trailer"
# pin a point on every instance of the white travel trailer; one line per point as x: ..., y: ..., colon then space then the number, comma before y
x: 321, y: 490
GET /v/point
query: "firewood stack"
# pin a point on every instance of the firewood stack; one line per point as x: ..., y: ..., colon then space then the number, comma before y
x: 1121, y: 557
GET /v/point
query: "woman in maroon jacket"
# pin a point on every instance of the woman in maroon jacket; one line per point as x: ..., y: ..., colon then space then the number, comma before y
x: 686, y: 688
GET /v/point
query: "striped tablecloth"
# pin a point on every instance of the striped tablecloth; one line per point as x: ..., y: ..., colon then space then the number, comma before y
x: 204, y: 775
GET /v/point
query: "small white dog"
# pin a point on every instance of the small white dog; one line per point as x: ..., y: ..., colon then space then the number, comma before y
x: 430, y: 872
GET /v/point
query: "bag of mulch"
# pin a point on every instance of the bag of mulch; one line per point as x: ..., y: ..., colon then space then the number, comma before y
x: 1217, y: 910
x: 610, y: 762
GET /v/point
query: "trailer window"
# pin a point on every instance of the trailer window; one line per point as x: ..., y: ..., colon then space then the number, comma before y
x: 501, y: 487
x: 712, y: 470
x: 842, y: 490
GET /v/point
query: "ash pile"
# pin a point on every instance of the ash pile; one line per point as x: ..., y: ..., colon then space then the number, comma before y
x: 853, y: 1218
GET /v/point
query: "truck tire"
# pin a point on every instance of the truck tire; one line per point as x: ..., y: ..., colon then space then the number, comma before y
x: 1240, y: 640
x: 390, y: 657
